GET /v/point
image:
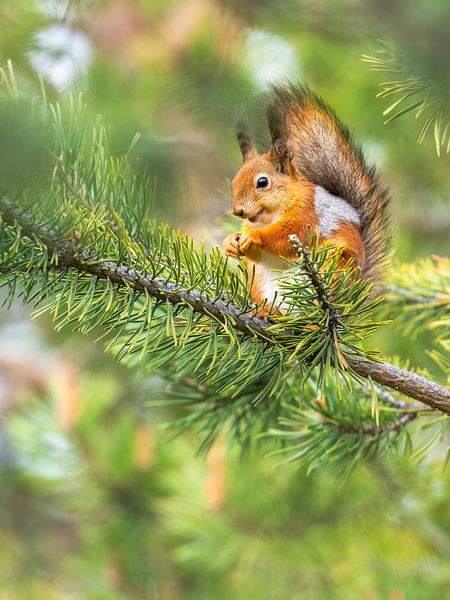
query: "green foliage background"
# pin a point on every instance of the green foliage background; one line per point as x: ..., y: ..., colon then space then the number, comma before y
x: 96, y: 502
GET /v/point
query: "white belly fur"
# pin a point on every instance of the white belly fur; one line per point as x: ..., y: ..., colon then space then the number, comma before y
x: 269, y: 271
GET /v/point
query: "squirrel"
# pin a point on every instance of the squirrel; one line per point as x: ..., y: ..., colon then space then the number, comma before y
x: 313, y: 180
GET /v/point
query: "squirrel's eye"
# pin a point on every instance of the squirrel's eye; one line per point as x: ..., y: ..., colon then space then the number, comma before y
x: 262, y: 182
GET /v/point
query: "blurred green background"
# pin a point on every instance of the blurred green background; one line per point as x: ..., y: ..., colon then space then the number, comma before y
x: 96, y: 501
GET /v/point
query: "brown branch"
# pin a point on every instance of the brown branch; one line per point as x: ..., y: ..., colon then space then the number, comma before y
x: 374, y: 431
x: 430, y: 393
x: 415, y: 386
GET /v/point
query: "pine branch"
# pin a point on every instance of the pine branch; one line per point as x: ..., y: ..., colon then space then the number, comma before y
x: 415, y: 386
x: 412, y: 94
x: 70, y: 256
x: 421, y: 291
x: 406, y: 382
x: 419, y: 301
x: 373, y: 430
x: 323, y: 294
x: 120, y: 274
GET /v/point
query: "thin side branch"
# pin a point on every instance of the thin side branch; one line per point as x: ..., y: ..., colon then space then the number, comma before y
x: 374, y: 431
x: 322, y: 292
x: 388, y: 398
x: 430, y: 393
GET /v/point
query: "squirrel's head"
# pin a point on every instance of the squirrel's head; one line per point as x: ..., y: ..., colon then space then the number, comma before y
x: 259, y: 190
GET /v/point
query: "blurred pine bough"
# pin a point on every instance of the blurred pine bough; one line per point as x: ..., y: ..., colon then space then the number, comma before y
x: 412, y: 93
x: 95, y: 509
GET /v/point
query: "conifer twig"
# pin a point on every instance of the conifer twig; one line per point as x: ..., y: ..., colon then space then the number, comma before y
x: 373, y: 430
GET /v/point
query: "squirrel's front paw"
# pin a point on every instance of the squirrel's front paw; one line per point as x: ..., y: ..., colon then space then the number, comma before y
x: 248, y: 240
x: 231, y: 245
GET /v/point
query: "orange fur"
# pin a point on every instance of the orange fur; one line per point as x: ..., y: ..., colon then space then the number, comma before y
x: 348, y: 237
x: 299, y: 217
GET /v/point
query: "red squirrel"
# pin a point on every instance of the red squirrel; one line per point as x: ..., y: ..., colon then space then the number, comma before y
x: 313, y: 180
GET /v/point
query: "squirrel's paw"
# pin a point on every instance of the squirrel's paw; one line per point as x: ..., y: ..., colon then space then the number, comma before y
x: 248, y: 240
x: 231, y: 245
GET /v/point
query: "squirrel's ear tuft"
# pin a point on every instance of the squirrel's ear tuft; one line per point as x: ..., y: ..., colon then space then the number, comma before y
x: 279, y: 155
x: 244, y: 138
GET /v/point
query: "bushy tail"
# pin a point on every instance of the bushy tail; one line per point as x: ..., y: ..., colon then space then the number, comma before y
x: 321, y: 148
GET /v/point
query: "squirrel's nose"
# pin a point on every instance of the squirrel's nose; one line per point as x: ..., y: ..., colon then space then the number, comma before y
x: 239, y: 213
